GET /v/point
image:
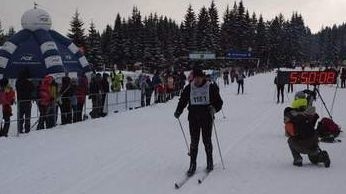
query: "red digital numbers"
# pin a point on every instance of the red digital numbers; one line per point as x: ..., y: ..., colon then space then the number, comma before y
x: 305, y: 77
x: 312, y: 77
x: 331, y: 77
x: 323, y: 77
x: 294, y: 77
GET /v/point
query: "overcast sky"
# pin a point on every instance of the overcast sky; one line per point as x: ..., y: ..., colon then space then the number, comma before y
x: 316, y: 13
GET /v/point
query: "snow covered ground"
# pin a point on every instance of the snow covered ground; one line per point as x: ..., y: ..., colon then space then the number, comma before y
x: 143, y: 151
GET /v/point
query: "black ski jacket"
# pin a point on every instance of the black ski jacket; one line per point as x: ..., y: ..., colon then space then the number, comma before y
x: 200, y: 110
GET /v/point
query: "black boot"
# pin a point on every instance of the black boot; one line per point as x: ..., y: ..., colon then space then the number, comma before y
x: 297, y: 158
x: 298, y: 162
x: 324, y: 157
x: 192, y: 168
x: 193, y: 164
x: 210, y: 165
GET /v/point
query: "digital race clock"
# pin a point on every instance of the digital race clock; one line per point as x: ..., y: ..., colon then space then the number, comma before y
x: 307, y: 77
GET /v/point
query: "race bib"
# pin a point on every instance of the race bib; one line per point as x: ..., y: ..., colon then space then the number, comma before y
x: 200, y: 95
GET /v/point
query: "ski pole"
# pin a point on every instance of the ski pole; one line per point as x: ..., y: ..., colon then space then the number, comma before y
x: 336, y: 89
x: 218, y: 145
x: 182, y: 130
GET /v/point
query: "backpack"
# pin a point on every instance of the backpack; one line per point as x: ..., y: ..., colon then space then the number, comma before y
x: 328, y: 128
x: 304, y: 126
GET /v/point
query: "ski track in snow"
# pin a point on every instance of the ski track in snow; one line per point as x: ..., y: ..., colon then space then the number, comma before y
x: 143, y: 151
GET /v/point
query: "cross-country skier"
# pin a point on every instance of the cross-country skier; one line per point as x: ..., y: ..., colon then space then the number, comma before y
x: 203, y: 100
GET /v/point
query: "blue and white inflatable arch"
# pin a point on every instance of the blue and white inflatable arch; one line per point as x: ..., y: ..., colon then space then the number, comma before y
x: 40, y: 50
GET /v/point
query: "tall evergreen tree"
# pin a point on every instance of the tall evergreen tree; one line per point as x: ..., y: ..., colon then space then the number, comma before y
x: 10, y: 33
x: 214, y: 28
x: 135, y: 33
x: 152, y: 46
x: 253, y: 32
x: 127, y: 44
x: 76, y: 32
x: 106, y: 44
x: 261, y: 39
x: 228, y: 29
x: 94, y: 54
x: 203, y: 31
x: 117, y: 44
x: 2, y: 35
x: 189, y: 31
x: 275, y: 50
x: 241, y: 28
x: 298, y: 39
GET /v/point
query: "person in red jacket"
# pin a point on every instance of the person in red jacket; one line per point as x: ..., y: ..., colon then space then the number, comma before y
x: 7, y: 98
x: 46, y: 100
x: 81, y: 92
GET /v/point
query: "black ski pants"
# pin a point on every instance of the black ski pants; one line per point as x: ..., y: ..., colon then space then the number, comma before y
x: 66, y: 111
x: 290, y: 88
x: 343, y: 85
x: 196, y: 125
x: 241, y: 85
x: 280, y: 92
x: 24, y: 114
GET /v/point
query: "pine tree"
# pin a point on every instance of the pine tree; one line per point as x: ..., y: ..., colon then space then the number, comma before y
x: 261, y: 39
x: 117, y: 44
x: 247, y: 32
x: 214, y: 28
x: 253, y: 32
x: 189, y: 31
x: 203, y: 31
x: 298, y: 38
x: 127, y: 45
x: 275, y: 50
x: 76, y: 32
x: 2, y: 35
x: 153, y: 56
x: 94, y: 54
x: 106, y: 40
x: 10, y: 33
x: 241, y: 31
x: 228, y: 29
x: 135, y: 30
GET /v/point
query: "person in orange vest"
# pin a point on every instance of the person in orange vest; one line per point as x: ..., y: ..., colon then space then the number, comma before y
x: 7, y: 98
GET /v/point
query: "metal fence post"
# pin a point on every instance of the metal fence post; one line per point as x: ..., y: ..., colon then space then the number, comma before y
x: 18, y: 123
x: 126, y: 105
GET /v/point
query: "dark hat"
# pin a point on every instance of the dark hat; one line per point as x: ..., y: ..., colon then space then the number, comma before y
x: 197, y: 72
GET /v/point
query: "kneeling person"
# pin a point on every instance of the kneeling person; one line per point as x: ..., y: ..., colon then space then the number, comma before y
x: 300, y: 120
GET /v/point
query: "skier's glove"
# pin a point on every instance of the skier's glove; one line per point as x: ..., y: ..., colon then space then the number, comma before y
x: 177, y: 115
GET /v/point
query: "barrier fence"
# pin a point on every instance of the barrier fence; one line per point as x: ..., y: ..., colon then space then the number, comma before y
x: 95, y: 105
